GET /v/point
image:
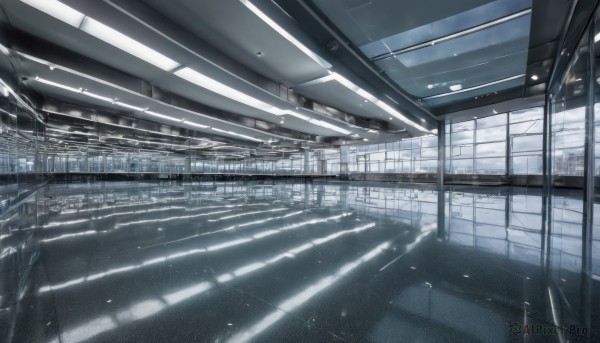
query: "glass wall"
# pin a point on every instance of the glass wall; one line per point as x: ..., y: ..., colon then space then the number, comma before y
x: 409, y: 156
x: 485, y: 145
x: 22, y: 207
x: 573, y: 229
x: 526, y: 138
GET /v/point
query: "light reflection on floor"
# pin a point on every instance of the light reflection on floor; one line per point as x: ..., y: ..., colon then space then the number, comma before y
x: 304, y: 262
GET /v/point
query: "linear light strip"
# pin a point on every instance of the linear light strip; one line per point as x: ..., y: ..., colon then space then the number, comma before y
x: 127, y: 44
x: 475, y: 87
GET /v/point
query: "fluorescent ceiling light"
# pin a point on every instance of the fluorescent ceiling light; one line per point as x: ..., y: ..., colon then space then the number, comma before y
x: 351, y: 86
x: 534, y: 77
x: 455, y: 88
x: 4, y: 91
x: 111, y: 36
x: 57, y: 10
x: 129, y: 45
x: 131, y: 107
x: 215, y: 86
x: 58, y: 85
x: 286, y: 35
x: 597, y: 38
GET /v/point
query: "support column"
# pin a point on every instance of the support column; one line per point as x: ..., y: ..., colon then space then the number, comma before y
x: 187, y: 168
x: 441, y: 153
x: 547, y: 182
x: 588, y: 188
x: 507, y: 164
x: 344, y: 153
x: 441, y: 215
x: 319, y: 159
x: 85, y: 166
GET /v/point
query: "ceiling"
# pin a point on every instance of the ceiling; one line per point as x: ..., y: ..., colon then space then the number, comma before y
x: 302, y: 74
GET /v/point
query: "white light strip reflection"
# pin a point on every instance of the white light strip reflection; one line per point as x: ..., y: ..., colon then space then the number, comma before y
x: 306, y: 295
x: 146, y: 308
x: 70, y: 222
x: 69, y: 235
x: 119, y: 225
x: 162, y: 116
x: 186, y: 293
x: 131, y: 107
x: 58, y: 85
x: 215, y: 247
x: 99, y: 97
x: 195, y: 124
x: 265, y: 233
x: 247, y: 214
x: 323, y: 63
x: 90, y: 329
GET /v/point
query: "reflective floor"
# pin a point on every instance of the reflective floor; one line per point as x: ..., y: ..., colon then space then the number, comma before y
x: 291, y: 262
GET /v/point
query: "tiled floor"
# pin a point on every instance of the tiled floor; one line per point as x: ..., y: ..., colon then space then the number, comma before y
x: 301, y: 262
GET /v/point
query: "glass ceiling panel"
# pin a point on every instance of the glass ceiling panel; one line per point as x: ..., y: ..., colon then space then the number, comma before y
x: 488, y: 55
x: 445, y: 27
x: 478, y: 58
x: 365, y: 21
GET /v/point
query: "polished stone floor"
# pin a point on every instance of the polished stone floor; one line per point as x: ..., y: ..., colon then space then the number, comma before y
x: 272, y: 262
